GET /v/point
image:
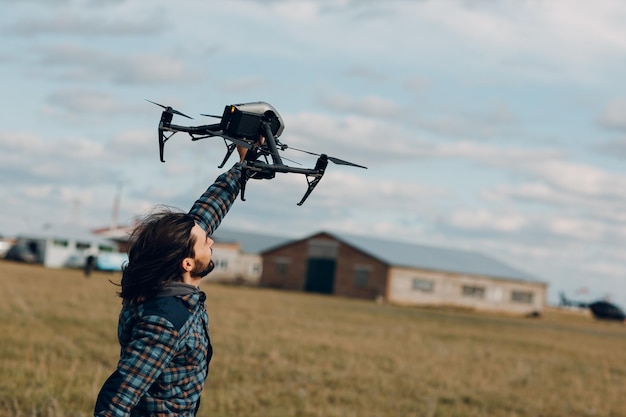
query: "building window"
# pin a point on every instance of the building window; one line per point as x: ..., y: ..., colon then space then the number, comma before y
x: 361, y: 275
x: 103, y: 248
x: 221, y: 264
x: 256, y: 268
x: 473, y: 291
x: 61, y: 243
x: 424, y: 285
x: 281, y: 267
x: 525, y: 297
x: 82, y: 245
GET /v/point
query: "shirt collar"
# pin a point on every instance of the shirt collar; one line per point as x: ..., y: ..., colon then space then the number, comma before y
x: 177, y: 289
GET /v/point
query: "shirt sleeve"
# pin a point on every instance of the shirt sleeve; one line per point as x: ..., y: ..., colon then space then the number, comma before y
x: 141, y: 362
x: 209, y: 210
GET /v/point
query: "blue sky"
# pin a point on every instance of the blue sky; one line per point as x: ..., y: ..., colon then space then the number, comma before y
x: 494, y: 126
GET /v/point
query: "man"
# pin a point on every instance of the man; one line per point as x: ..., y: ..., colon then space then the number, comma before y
x: 163, y: 326
x: 90, y: 264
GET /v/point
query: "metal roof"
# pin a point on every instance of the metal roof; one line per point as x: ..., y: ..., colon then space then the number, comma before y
x: 249, y: 242
x: 65, y: 231
x: 434, y: 258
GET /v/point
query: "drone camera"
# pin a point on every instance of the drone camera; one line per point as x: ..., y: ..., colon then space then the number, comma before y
x: 244, y: 120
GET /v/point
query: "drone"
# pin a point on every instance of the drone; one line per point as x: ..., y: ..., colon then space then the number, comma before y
x: 255, y: 126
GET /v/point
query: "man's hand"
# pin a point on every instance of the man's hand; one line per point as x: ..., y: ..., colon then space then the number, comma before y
x: 244, y: 151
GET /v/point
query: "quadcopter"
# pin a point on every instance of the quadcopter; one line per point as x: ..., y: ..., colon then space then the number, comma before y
x: 255, y: 126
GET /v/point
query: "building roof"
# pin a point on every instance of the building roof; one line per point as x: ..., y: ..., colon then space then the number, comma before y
x: 249, y: 242
x: 411, y: 255
x: 435, y: 258
x: 65, y: 231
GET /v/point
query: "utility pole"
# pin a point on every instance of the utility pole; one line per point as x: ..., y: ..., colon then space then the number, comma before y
x: 116, y: 206
x: 76, y: 214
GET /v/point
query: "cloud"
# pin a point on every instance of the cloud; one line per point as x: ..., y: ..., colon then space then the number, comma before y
x: 244, y: 85
x: 83, y: 100
x: 492, y: 121
x: 366, y: 73
x: 486, y: 221
x: 350, y: 187
x: 555, y: 31
x: 581, y: 179
x: 507, y: 157
x: 297, y: 11
x: 135, y: 141
x: 614, y: 115
x: 489, y: 120
x: 358, y: 139
x: 614, y: 148
x: 75, y: 62
x: 73, y: 24
x: 51, y: 3
x: 372, y: 141
x: 369, y: 106
x: 72, y: 160
x: 417, y: 85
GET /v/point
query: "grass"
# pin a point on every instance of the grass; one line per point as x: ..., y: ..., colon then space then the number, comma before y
x: 294, y: 354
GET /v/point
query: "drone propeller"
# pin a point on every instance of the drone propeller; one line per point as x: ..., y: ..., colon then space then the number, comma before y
x: 170, y: 109
x: 211, y: 115
x: 330, y: 158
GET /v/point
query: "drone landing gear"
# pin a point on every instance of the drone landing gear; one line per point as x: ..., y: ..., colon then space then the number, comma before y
x: 312, y: 184
x: 313, y: 179
x: 230, y: 147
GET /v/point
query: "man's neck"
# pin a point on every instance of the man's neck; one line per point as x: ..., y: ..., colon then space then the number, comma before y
x: 188, y: 279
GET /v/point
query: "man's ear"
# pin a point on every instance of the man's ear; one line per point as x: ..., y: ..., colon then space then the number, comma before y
x: 187, y: 264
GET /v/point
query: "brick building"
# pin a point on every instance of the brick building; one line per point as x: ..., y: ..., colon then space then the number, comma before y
x: 400, y: 273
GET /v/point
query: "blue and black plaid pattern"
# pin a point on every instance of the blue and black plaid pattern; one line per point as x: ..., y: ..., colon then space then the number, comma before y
x: 163, y: 364
x: 209, y: 210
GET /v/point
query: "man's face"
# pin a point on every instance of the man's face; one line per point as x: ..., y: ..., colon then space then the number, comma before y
x: 203, y: 252
x: 201, y: 269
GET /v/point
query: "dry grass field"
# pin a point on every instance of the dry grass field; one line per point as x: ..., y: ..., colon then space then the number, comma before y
x: 291, y: 354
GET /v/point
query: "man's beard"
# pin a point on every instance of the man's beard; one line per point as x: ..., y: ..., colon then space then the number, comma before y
x: 201, y: 269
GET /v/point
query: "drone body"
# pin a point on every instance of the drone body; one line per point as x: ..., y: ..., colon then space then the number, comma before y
x: 243, y: 121
x: 244, y: 125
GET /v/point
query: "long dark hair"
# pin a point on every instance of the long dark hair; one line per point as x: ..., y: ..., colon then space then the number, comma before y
x: 157, y: 247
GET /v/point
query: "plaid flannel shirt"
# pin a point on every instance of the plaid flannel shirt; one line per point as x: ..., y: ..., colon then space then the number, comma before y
x: 165, y: 342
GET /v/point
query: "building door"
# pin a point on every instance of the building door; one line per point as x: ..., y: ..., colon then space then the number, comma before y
x: 320, y: 275
x: 321, y: 265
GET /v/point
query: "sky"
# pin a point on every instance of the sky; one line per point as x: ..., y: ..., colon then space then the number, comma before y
x: 492, y: 126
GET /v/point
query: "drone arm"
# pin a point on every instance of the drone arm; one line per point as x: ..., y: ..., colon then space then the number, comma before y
x: 207, y: 130
x: 271, y: 143
x: 165, y: 125
x: 313, y: 176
